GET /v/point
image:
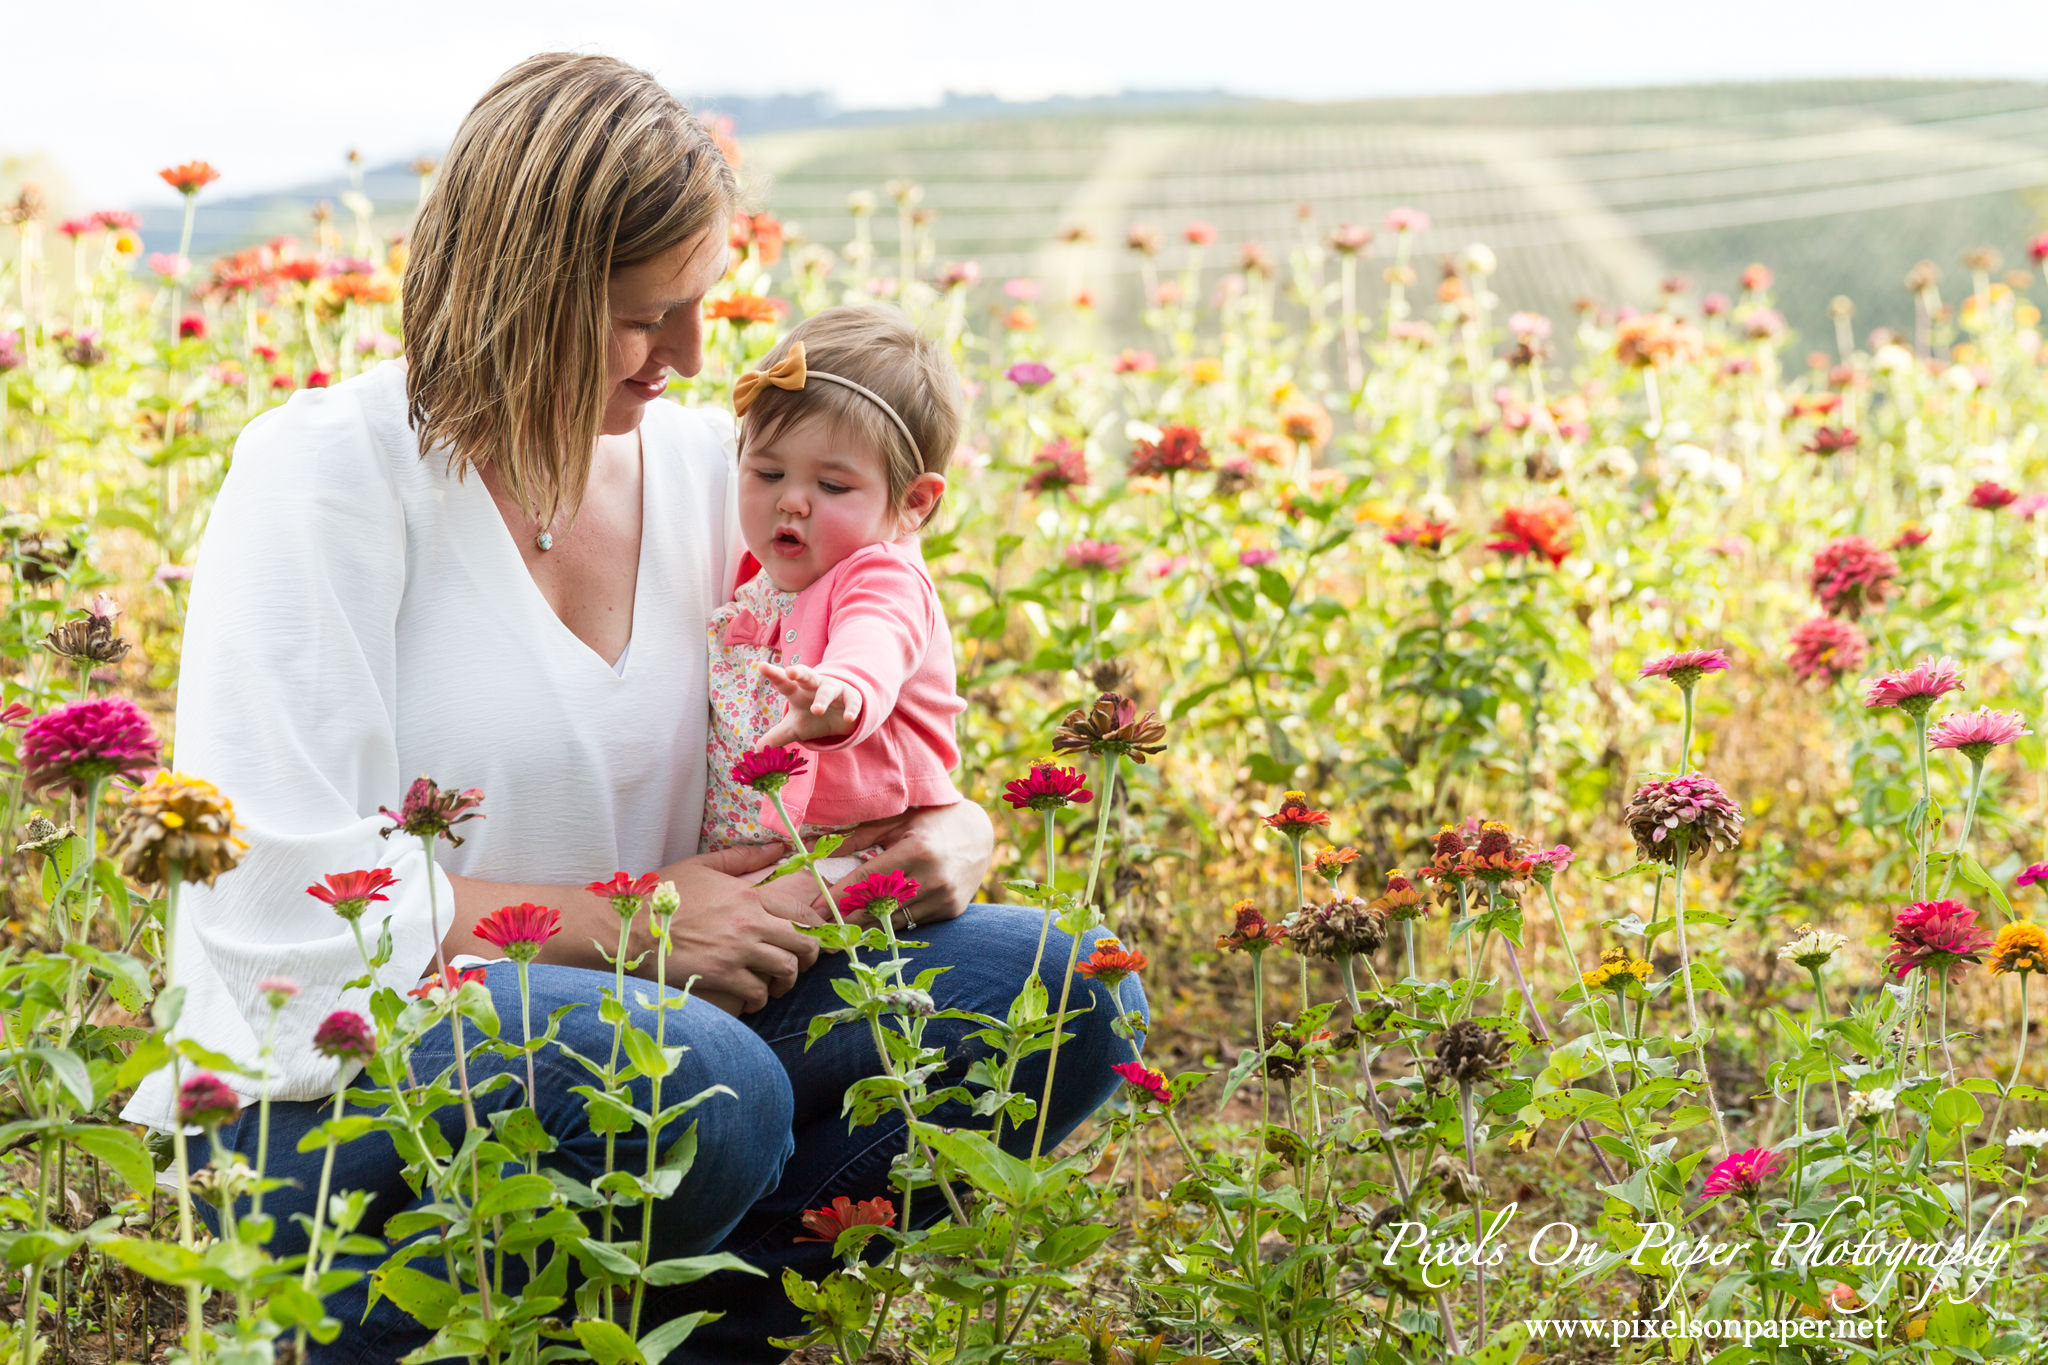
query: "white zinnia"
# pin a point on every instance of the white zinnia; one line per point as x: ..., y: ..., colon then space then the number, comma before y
x: 2027, y: 1137
x: 1813, y: 947
x: 1868, y: 1104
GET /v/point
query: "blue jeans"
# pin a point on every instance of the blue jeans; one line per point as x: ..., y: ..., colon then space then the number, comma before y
x: 766, y: 1153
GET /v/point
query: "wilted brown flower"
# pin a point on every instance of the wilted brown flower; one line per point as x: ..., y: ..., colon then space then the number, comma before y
x: 1466, y: 1054
x: 1694, y: 807
x: 91, y: 637
x: 1113, y: 726
x: 41, y: 835
x: 1456, y: 1182
x: 1343, y: 927
x: 176, y: 819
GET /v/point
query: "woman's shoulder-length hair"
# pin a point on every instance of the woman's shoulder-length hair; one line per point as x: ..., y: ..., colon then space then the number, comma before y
x: 571, y: 167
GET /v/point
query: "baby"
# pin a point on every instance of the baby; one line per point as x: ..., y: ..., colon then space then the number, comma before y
x: 834, y: 639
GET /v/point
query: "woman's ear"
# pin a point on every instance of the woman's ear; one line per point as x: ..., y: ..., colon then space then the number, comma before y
x: 920, y: 499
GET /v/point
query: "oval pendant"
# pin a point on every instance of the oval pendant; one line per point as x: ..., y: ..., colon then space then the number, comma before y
x: 544, y: 541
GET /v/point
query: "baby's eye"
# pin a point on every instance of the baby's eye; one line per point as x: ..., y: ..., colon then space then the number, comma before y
x: 768, y: 475
x: 833, y: 487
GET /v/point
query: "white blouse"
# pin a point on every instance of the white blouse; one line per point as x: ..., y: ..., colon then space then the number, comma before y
x: 360, y: 617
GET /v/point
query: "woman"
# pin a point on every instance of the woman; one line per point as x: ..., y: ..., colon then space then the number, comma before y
x: 492, y: 563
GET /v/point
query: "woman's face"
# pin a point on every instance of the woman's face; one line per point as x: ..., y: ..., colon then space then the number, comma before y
x: 656, y: 329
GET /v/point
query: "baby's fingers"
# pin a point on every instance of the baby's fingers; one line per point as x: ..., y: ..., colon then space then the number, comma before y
x: 780, y: 735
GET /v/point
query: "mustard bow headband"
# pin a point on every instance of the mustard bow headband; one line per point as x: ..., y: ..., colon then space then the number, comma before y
x: 789, y: 373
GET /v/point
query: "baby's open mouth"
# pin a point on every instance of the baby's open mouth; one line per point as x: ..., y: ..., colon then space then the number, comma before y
x: 787, y: 542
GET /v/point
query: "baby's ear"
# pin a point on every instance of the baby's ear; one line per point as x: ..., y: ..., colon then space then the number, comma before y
x: 920, y: 498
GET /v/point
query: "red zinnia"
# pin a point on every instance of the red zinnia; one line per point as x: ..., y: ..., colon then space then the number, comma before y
x: 1111, y: 962
x: 1911, y: 538
x: 842, y: 1213
x: 1851, y: 574
x: 1059, y: 465
x: 345, y: 1036
x: 350, y: 893
x: 450, y: 979
x: 1048, y: 787
x: 83, y: 742
x: 207, y: 1101
x: 1144, y: 1081
x: 625, y: 892
x: 1990, y: 496
x: 1295, y: 816
x: 766, y: 770
x: 880, y: 893
x: 519, y: 930
x: 1179, y: 449
x: 189, y: 178
x: 1543, y: 528
x: 1250, y: 933
x: 431, y: 813
x: 1832, y: 440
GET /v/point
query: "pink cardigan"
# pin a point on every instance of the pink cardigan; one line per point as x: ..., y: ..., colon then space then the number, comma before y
x: 874, y: 622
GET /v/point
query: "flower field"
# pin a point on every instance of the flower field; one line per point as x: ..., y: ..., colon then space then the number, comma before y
x: 1573, y: 788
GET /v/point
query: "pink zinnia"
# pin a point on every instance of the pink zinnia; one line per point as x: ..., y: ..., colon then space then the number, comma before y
x: 1406, y: 220
x: 1850, y: 575
x: 1048, y: 787
x: 278, y: 990
x: 1199, y: 233
x: 1029, y: 375
x: 1256, y: 557
x: 518, y: 931
x: 1144, y: 1081
x: 345, y: 1036
x: 1936, y: 936
x: 1911, y: 537
x: 14, y: 713
x: 430, y: 813
x: 1913, y: 690
x: 766, y: 770
x: 1827, y: 649
x: 1742, y: 1173
x: 1991, y: 495
x: 207, y: 1101
x: 1059, y: 465
x: 1977, y: 732
x: 1688, y: 666
x: 1095, y: 556
x: 1546, y: 865
x: 350, y: 893
x: 88, y: 741
x: 881, y: 893
x: 2036, y: 873
x: 2029, y: 504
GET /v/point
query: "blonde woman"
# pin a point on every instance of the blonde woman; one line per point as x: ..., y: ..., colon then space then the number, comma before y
x: 495, y: 563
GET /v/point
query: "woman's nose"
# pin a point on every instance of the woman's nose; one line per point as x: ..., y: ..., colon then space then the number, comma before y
x: 683, y: 351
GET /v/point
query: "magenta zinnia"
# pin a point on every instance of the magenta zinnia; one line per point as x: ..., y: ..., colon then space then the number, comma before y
x: 207, y: 1101
x: 1144, y: 1082
x: 345, y: 1036
x: 83, y: 742
x: 2038, y: 872
x: 1913, y: 690
x: 1048, y: 787
x: 430, y: 813
x: 767, y: 770
x: 1989, y: 496
x: 1850, y: 576
x: 1936, y: 936
x: 518, y: 931
x: 1687, y: 666
x: 1827, y: 649
x: 1743, y: 1173
x: 1977, y: 732
x: 880, y: 893
x: 1029, y: 375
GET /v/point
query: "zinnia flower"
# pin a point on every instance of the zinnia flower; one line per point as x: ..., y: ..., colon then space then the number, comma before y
x: 350, y: 893
x: 767, y: 770
x: 1306, y: 424
x: 518, y: 931
x: 1870, y: 1104
x: 279, y: 991
x: 1179, y: 449
x: 1095, y: 556
x: 1546, y: 864
x: 1990, y: 495
x: 1494, y: 857
x: 83, y: 742
x: 1295, y: 816
x: 1813, y: 948
x: 1402, y: 898
x: 1406, y: 220
x: 175, y: 820
x: 626, y: 893
x: 1743, y: 1173
x: 450, y: 980
x: 743, y: 310
x: 1688, y: 666
x: 1914, y: 690
x: 2038, y: 872
x: 206, y: 1101
x: 1615, y: 971
x: 1422, y: 533
x: 190, y: 178
x: 881, y: 894
x: 1851, y: 575
x: 1059, y: 465
x: 430, y: 813
x: 2027, y: 1137
x: 1029, y: 375
x: 91, y: 637
x: 345, y: 1036
x: 1144, y: 1082
x: 1113, y: 726
x: 1111, y: 962
x: 1832, y: 440
x: 1345, y: 926
x: 1827, y: 649
x: 843, y: 1214
x: 1694, y: 806
x: 2020, y: 947
x: 1329, y: 863
x: 1466, y: 1054
x: 1936, y: 936
x: 1543, y: 528
x: 1911, y: 538
x: 1250, y: 933
x: 1048, y: 787
x: 1977, y: 732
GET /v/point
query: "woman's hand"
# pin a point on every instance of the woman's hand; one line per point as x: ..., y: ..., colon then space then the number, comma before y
x: 945, y: 849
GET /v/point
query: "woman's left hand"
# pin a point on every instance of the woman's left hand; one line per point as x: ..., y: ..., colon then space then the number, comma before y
x: 945, y: 849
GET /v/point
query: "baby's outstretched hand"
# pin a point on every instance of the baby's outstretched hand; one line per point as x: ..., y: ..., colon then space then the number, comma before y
x: 819, y: 706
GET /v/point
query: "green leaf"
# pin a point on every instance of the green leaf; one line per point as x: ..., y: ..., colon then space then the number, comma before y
x: 656, y: 1345
x: 1071, y: 1244
x: 518, y: 1192
x: 689, y: 1269
x: 610, y: 1257
x: 430, y: 1300
x: 651, y: 1059
x: 608, y: 1343
x: 69, y: 1069
x: 165, y: 1262
x: 121, y: 1149
x: 981, y: 1161
x: 1956, y: 1109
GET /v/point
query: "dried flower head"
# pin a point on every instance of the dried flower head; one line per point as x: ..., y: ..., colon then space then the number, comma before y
x: 1048, y: 787
x: 1615, y: 971
x: 1914, y: 690
x: 1976, y: 733
x: 1249, y: 933
x: 42, y: 835
x: 175, y: 820
x: 842, y: 1213
x: 1851, y: 576
x: 1344, y: 926
x: 1742, y: 1173
x: 1466, y: 1054
x: 1687, y: 667
x: 92, y: 637
x: 1812, y: 948
x: 1143, y: 1084
x: 518, y: 931
x: 430, y: 813
x: 2020, y: 947
x: 87, y: 741
x: 1111, y: 962
x: 1692, y: 808
x: 1296, y: 817
x: 1112, y: 726
x: 350, y: 893
x: 1827, y: 649
x: 345, y: 1036
x: 1936, y: 936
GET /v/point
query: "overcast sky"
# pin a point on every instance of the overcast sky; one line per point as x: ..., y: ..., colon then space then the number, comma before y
x: 274, y: 94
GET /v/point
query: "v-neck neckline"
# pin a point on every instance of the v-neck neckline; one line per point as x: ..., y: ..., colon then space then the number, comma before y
x: 539, y: 599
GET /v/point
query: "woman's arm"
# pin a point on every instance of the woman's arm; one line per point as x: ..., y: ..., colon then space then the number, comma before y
x: 741, y: 954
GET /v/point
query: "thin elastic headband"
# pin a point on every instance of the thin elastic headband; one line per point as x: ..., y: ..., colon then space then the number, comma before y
x: 789, y: 373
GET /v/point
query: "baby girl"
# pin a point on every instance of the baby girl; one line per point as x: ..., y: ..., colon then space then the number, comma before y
x: 834, y: 639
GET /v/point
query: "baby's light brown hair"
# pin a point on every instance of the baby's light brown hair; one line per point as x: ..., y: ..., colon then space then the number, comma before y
x: 877, y: 348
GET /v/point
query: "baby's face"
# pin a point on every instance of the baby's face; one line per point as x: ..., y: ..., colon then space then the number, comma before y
x: 809, y: 499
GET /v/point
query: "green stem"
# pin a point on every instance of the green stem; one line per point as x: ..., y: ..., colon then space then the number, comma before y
x: 2018, y: 1057
x: 1948, y: 876
x: 1692, y: 1008
x: 1109, y: 776
x: 326, y: 1179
